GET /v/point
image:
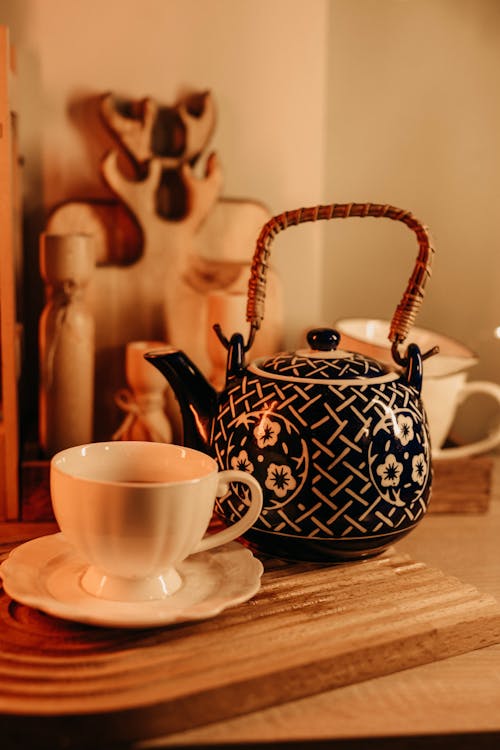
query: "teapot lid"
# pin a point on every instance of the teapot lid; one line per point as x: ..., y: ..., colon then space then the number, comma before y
x: 323, y: 362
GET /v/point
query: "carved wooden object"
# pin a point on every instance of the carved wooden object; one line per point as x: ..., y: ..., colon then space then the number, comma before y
x: 143, y: 402
x: 189, y: 240
x: 66, y: 343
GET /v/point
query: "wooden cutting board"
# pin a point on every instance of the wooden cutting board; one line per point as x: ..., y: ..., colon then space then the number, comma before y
x: 309, y: 629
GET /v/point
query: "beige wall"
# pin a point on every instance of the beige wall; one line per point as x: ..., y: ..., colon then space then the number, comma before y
x: 319, y: 100
x: 414, y: 120
x: 264, y: 60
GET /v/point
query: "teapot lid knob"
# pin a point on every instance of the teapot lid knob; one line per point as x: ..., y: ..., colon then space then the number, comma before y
x: 323, y: 339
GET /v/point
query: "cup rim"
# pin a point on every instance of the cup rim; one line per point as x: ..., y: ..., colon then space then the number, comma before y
x: 57, y: 467
x: 462, y: 350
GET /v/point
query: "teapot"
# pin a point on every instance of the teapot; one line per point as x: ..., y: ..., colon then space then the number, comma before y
x: 339, y: 442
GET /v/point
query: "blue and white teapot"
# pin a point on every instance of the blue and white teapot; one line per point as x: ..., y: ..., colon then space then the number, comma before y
x: 338, y: 441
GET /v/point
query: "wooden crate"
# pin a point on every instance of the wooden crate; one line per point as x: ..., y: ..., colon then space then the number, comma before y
x: 462, y: 485
x: 459, y: 486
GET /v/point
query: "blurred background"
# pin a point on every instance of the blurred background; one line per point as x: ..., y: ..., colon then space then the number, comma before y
x: 318, y: 101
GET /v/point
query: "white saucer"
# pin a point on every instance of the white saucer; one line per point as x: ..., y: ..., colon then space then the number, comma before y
x: 45, y: 573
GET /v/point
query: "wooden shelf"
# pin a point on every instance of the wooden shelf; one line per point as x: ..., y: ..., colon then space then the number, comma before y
x: 10, y: 244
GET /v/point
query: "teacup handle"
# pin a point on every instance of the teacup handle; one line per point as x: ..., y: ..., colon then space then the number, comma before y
x: 244, y: 523
x: 479, y: 446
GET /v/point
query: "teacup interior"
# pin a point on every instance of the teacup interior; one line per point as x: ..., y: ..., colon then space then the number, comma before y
x: 131, y: 462
x: 371, y: 336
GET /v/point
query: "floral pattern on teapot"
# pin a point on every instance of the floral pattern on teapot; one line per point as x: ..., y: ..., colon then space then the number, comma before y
x: 349, y: 461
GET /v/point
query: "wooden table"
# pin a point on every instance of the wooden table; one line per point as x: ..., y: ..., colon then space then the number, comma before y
x: 439, y: 704
x: 456, y: 696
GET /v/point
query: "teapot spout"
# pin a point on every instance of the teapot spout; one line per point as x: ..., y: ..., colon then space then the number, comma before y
x: 196, y: 397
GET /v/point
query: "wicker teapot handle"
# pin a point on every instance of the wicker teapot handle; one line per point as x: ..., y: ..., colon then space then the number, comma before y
x: 407, y: 309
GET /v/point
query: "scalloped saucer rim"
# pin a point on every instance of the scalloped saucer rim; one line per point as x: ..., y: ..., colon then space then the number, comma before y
x: 44, y: 573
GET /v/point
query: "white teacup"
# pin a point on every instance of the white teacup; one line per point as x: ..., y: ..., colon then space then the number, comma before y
x: 134, y: 510
x: 445, y: 384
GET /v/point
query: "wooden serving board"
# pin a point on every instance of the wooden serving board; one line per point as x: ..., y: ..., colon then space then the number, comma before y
x: 309, y: 629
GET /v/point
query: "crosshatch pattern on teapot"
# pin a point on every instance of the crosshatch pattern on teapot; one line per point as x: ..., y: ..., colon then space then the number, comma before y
x: 338, y: 442
x: 356, y: 366
x: 364, y: 466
